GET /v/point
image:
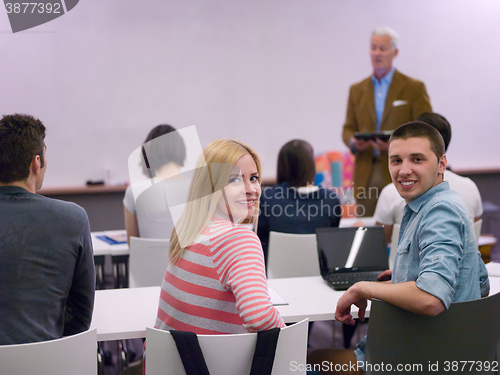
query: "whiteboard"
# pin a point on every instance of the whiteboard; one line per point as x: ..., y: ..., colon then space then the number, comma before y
x: 261, y: 71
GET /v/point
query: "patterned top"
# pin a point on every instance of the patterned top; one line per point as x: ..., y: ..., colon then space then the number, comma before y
x: 219, y: 285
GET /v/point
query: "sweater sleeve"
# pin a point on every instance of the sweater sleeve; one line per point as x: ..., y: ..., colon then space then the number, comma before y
x: 351, y: 124
x: 80, y: 299
x: 240, y: 265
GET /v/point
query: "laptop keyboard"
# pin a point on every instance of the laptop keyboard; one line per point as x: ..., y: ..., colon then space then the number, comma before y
x: 342, y: 281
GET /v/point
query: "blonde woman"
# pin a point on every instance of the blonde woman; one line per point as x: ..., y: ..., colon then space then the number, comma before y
x: 216, y: 280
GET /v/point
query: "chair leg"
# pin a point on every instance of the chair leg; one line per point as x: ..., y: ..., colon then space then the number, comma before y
x: 334, y: 331
x: 99, y: 270
x: 120, y: 271
x: 100, y: 358
x: 122, y: 357
x: 348, y: 332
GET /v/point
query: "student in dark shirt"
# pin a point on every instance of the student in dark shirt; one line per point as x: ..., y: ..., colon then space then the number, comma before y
x: 47, y: 275
x: 295, y: 205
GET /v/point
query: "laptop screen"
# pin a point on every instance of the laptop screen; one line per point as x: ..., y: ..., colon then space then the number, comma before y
x: 352, y: 249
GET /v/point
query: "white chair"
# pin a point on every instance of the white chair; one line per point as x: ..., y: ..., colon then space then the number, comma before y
x: 75, y: 355
x: 292, y: 255
x: 477, y: 228
x: 148, y: 261
x: 227, y: 354
x: 357, y: 221
x: 467, y: 331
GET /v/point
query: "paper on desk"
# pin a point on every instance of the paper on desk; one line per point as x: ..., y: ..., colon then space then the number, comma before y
x: 276, y: 299
x: 493, y: 268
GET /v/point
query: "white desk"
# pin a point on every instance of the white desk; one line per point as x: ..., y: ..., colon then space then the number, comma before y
x: 119, y: 254
x: 103, y: 248
x: 125, y: 313
x: 494, y: 285
x: 307, y: 297
x: 493, y: 269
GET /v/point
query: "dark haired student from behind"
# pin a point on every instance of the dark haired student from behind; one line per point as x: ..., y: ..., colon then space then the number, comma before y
x: 145, y: 208
x: 295, y: 205
x: 47, y: 274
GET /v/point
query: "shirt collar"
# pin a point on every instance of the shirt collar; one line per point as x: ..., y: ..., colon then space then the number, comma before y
x: 417, y: 203
x: 387, y: 79
x: 10, y: 189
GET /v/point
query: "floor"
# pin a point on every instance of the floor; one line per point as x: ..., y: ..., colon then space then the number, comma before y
x: 135, y: 351
x: 327, y: 334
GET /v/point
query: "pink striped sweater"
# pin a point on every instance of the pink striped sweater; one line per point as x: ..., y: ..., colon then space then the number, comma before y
x: 219, y: 285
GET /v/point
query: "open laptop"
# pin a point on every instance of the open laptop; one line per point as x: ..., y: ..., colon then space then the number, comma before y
x: 349, y: 255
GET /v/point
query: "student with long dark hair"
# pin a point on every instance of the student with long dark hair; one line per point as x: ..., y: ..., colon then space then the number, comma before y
x: 145, y: 208
x: 295, y: 204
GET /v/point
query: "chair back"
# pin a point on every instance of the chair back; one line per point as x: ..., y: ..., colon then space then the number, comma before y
x: 394, y: 244
x: 75, y: 355
x: 148, y: 261
x: 467, y: 331
x: 227, y: 354
x: 477, y: 228
x: 292, y: 255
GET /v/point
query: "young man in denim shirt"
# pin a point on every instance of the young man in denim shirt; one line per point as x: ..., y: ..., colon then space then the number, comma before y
x: 437, y: 259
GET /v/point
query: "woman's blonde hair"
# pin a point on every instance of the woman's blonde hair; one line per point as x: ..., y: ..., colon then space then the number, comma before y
x: 210, y: 177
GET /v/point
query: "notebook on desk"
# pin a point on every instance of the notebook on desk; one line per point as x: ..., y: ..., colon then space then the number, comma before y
x: 115, y: 237
x: 349, y: 255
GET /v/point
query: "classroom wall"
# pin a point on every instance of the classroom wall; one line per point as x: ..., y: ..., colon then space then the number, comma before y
x: 262, y: 71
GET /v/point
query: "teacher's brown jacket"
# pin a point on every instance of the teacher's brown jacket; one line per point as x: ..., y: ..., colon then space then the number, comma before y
x: 406, y: 100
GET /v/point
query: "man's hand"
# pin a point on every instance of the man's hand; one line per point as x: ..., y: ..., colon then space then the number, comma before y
x: 385, y: 276
x: 379, y: 144
x: 351, y: 297
x: 360, y: 144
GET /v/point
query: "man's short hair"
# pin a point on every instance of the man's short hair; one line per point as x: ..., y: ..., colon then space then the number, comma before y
x: 440, y: 123
x: 21, y: 139
x: 382, y: 31
x: 419, y: 129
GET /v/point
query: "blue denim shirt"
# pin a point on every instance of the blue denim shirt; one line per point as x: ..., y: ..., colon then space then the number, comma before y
x: 437, y: 249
